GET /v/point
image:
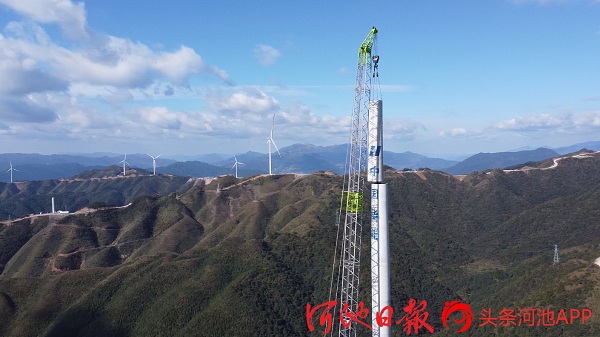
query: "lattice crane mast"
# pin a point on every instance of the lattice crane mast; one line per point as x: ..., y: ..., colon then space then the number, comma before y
x: 348, y: 245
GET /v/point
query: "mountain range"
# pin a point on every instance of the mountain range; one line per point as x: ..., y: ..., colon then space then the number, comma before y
x: 243, y: 257
x: 486, y: 161
x: 297, y: 158
x: 99, y: 187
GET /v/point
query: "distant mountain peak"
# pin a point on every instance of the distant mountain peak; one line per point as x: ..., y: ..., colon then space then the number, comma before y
x: 111, y: 171
x: 485, y: 161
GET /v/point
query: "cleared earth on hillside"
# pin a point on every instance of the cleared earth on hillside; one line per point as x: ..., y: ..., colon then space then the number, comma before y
x: 245, y: 260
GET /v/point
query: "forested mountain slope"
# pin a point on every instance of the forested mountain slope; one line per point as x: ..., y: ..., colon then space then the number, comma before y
x: 100, y: 187
x: 245, y: 260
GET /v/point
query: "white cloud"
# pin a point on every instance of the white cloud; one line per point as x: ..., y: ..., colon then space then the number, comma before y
x: 466, y: 134
x: 21, y: 78
x: 178, y: 65
x: 71, y: 17
x: 535, y: 123
x: 85, y: 121
x: 590, y: 120
x: 249, y: 100
x: 402, y: 129
x: 29, y: 109
x: 220, y: 73
x: 66, y: 85
x: 564, y: 123
x: 118, y: 62
x: 266, y: 55
x: 300, y: 122
x: 453, y: 132
x: 106, y: 90
x: 117, y: 96
x: 396, y: 88
x: 100, y: 60
x: 160, y: 117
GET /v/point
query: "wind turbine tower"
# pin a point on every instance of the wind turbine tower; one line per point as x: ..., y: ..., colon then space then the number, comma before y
x: 269, y: 141
x: 124, y: 161
x: 237, y: 163
x: 11, y: 169
x: 153, y: 164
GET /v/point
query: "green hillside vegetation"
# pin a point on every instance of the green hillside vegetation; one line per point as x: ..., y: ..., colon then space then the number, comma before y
x: 194, y: 169
x: 94, y: 188
x: 246, y: 259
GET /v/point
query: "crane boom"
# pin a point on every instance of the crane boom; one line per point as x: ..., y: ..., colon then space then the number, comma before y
x: 352, y: 202
x: 364, y: 52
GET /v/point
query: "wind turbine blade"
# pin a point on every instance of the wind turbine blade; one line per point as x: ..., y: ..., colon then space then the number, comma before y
x: 158, y: 156
x: 272, y: 126
x: 150, y: 156
x: 272, y: 141
x: 236, y: 162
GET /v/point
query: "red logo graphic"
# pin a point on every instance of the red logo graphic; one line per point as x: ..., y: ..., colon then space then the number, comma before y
x: 466, y: 314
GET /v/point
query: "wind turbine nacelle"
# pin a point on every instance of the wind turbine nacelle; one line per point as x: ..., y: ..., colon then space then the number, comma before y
x: 375, y: 142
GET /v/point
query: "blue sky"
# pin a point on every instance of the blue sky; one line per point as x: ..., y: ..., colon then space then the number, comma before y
x: 191, y: 77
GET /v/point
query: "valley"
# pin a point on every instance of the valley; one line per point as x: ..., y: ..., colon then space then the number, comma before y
x: 243, y: 257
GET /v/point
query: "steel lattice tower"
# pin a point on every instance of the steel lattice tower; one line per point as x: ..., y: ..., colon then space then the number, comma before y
x: 352, y: 202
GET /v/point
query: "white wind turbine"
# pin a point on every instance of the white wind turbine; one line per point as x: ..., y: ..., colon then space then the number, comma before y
x: 11, y: 169
x: 124, y: 161
x: 237, y: 163
x: 154, y: 163
x: 269, y: 141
